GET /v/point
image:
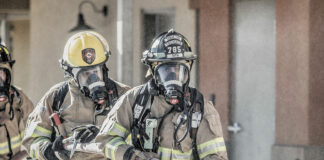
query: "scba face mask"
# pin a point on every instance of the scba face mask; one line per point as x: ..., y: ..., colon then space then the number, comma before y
x: 4, y: 84
x: 92, y: 83
x: 172, y: 78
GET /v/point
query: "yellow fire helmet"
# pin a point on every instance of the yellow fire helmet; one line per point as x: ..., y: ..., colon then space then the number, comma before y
x: 85, y: 49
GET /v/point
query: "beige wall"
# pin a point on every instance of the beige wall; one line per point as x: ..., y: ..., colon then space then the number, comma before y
x: 50, y: 23
x: 20, y: 42
x: 185, y: 22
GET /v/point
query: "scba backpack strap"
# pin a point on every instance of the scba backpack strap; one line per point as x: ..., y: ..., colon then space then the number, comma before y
x: 140, y: 112
x: 196, y: 116
x: 58, y: 101
x: 60, y: 96
x: 15, y: 94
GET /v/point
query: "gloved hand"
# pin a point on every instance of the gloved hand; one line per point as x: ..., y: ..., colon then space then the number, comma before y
x: 138, y: 155
x: 55, y: 150
x: 86, y: 133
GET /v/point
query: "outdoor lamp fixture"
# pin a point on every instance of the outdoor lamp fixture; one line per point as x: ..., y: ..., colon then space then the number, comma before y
x: 81, y: 22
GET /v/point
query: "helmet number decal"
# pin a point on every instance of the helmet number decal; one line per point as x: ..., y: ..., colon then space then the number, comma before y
x: 174, y: 52
x: 174, y: 49
x: 88, y: 55
x: 173, y: 46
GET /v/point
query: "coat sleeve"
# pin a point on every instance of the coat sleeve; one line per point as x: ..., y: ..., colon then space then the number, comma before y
x: 116, y: 128
x: 210, y: 141
x: 38, y: 128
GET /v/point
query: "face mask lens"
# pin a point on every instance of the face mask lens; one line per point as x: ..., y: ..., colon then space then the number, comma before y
x: 92, y: 83
x: 173, y: 73
x: 87, y: 77
x: 3, y: 77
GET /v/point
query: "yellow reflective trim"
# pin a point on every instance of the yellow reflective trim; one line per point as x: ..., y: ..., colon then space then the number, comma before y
x: 129, y: 139
x: 40, y: 132
x: 119, y: 143
x: 187, y: 42
x: 121, y: 128
x: 12, y: 147
x: 112, y: 146
x: 16, y: 145
x: 172, y: 153
x: 217, y: 140
x: 31, y: 154
x: 211, y: 147
x: 6, y: 50
x: 106, y: 152
x: 40, y: 139
x: 4, y: 151
x: 18, y: 137
x: 118, y: 130
x: 215, y: 150
x: 36, y: 155
x: 43, y: 130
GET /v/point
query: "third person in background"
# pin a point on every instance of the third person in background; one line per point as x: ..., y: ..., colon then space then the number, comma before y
x: 14, y: 110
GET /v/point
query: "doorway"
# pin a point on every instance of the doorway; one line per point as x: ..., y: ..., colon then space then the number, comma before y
x: 253, y: 79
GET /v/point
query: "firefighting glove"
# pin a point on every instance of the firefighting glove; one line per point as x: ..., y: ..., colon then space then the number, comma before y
x: 58, y: 148
x: 55, y: 150
x: 48, y: 153
x: 86, y: 133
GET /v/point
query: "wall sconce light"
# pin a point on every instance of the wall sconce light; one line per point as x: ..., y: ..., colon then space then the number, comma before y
x: 81, y: 25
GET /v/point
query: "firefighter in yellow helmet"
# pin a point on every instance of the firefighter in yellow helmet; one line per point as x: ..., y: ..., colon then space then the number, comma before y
x: 14, y: 110
x: 83, y: 101
x: 165, y: 117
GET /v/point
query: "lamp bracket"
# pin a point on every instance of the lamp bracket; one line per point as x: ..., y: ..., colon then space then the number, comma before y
x: 104, y: 9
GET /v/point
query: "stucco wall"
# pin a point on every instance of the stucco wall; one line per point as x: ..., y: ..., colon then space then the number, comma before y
x: 20, y: 42
x: 300, y: 73
x: 292, y: 95
x: 214, y: 46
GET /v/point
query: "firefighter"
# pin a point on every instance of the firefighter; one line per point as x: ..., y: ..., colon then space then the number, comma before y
x: 82, y: 101
x: 165, y: 118
x: 14, y: 110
